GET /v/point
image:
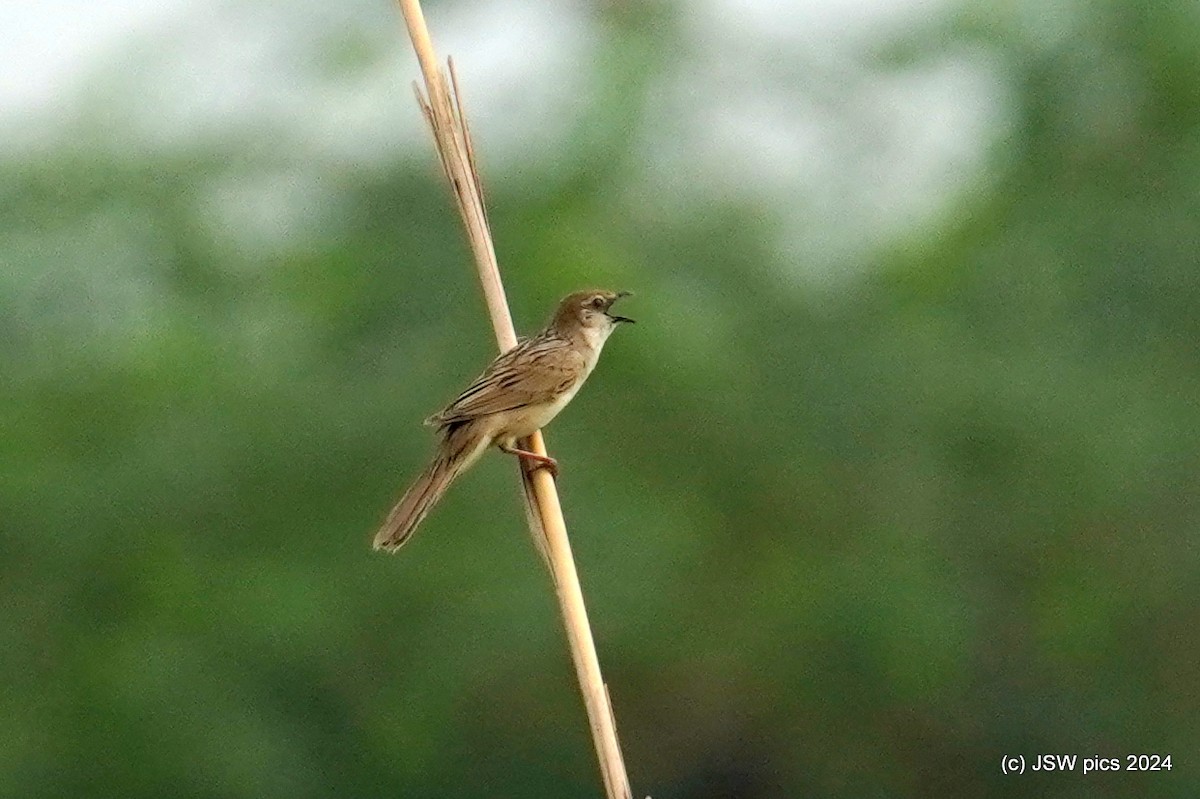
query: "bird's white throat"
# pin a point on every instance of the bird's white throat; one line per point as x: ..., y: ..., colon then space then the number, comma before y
x: 595, y: 338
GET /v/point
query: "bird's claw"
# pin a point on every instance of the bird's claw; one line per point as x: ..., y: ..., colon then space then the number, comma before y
x: 533, y: 462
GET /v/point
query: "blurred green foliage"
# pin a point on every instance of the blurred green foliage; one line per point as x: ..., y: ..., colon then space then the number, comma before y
x: 857, y: 541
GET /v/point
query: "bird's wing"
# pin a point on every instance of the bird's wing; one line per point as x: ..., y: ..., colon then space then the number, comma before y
x: 535, y: 371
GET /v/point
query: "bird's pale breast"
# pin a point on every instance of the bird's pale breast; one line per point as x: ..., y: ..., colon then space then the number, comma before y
x: 521, y: 422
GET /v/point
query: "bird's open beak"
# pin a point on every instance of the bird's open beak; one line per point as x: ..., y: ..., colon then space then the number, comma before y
x: 618, y: 319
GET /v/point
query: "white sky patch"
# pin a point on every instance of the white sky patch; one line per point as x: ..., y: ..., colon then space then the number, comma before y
x: 48, y: 48
x: 788, y: 104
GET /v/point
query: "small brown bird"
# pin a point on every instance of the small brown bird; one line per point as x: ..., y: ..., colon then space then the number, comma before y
x: 519, y: 393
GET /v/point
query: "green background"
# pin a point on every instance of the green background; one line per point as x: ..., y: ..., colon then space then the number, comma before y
x: 857, y: 512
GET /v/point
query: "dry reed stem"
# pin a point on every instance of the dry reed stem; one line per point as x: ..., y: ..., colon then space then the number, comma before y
x: 444, y: 112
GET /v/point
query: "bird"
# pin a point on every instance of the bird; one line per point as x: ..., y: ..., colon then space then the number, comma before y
x: 517, y: 394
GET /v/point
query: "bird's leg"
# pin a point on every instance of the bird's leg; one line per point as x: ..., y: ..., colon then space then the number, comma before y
x: 539, y: 461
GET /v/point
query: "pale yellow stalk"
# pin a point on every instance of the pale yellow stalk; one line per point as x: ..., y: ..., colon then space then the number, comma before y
x: 442, y: 106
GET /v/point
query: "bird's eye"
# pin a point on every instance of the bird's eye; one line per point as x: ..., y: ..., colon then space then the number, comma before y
x: 597, y: 302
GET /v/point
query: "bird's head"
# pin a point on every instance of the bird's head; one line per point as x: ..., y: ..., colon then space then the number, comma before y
x: 590, y: 311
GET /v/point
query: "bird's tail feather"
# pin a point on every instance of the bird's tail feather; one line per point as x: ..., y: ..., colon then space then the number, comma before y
x: 459, y: 449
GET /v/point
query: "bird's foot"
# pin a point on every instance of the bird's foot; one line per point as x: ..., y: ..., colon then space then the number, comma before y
x: 534, y: 460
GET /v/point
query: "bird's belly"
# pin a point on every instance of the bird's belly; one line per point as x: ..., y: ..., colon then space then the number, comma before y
x: 521, y: 422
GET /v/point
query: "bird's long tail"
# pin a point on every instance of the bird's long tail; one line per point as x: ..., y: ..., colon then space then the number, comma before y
x: 460, y: 448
